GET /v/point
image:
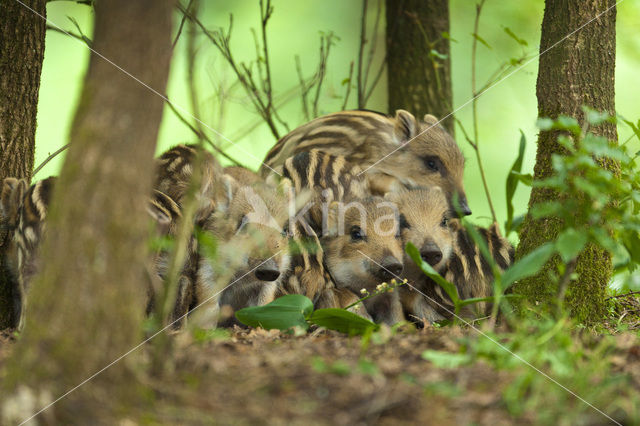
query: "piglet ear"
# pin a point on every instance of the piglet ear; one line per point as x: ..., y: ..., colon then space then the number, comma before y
x: 164, y: 210
x: 406, y: 126
x: 430, y: 120
x: 11, y: 197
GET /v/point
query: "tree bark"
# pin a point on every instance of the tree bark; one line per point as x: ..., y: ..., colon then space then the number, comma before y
x: 22, y: 35
x: 418, y: 80
x: 87, y: 303
x: 578, y: 71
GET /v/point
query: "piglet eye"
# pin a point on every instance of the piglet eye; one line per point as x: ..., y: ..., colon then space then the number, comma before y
x: 445, y: 222
x: 431, y: 163
x: 356, y: 233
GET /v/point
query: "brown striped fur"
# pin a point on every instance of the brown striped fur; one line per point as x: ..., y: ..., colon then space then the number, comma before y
x: 431, y: 159
x: 331, y: 269
x: 253, y: 254
x: 462, y: 263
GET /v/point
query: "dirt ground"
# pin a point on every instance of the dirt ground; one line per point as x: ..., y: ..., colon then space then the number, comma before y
x: 255, y: 376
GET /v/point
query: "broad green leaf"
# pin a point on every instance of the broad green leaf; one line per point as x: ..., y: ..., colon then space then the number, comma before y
x: 283, y: 313
x: 596, y: 117
x: 524, y: 178
x: 570, y: 243
x: 437, y: 54
x: 343, y: 321
x: 544, y: 123
x: 512, y: 182
x: 448, y: 287
x: 546, y: 209
x: 446, y: 359
x: 528, y: 265
x: 632, y: 244
x: 568, y: 123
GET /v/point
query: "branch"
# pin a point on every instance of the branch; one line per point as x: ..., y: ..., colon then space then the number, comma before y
x: 182, y: 21
x: 201, y: 135
x: 476, y: 145
x: 346, y: 95
x: 220, y: 39
x: 49, y: 158
x: 363, y: 41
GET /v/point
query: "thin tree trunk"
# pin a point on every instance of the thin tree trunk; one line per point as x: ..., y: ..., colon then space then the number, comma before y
x: 22, y: 36
x: 87, y: 303
x: 419, y: 80
x: 579, y: 71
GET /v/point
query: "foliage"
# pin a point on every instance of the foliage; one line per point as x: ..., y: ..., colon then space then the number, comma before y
x: 598, y: 206
x: 557, y: 371
x: 296, y: 310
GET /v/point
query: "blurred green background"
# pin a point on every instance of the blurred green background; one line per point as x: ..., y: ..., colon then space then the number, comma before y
x: 294, y: 29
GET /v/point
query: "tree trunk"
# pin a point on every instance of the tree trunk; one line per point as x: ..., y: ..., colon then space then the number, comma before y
x: 22, y: 35
x: 86, y: 305
x: 419, y: 77
x: 578, y: 71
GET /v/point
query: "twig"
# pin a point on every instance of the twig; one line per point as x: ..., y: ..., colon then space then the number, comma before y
x: 182, y: 21
x: 372, y: 47
x: 474, y: 48
x: 363, y: 40
x: 364, y: 91
x: 631, y: 293
x: 346, y: 95
x: 201, y: 135
x: 191, y: 66
x: 325, y: 46
x: 49, y: 158
x: 304, y: 89
x: 67, y: 33
x: 261, y: 99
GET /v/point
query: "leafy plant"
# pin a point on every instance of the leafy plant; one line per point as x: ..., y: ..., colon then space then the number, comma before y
x: 296, y: 310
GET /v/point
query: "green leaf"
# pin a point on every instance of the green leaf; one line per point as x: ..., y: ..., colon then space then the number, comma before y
x: 437, y: 54
x: 368, y: 367
x: 343, y: 321
x: 283, y: 313
x: 447, y: 36
x: 544, y: 123
x: 635, y: 128
x: 632, y: 244
x: 568, y: 123
x: 491, y: 299
x: 528, y: 265
x: 596, y: 117
x: 570, y: 243
x: 512, y: 182
x: 515, y: 37
x: 448, y: 287
x: 446, y: 359
x: 481, y: 40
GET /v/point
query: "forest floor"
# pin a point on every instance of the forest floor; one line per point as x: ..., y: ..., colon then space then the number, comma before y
x: 452, y: 375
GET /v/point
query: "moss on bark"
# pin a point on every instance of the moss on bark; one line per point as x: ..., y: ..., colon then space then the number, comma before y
x: 574, y: 72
